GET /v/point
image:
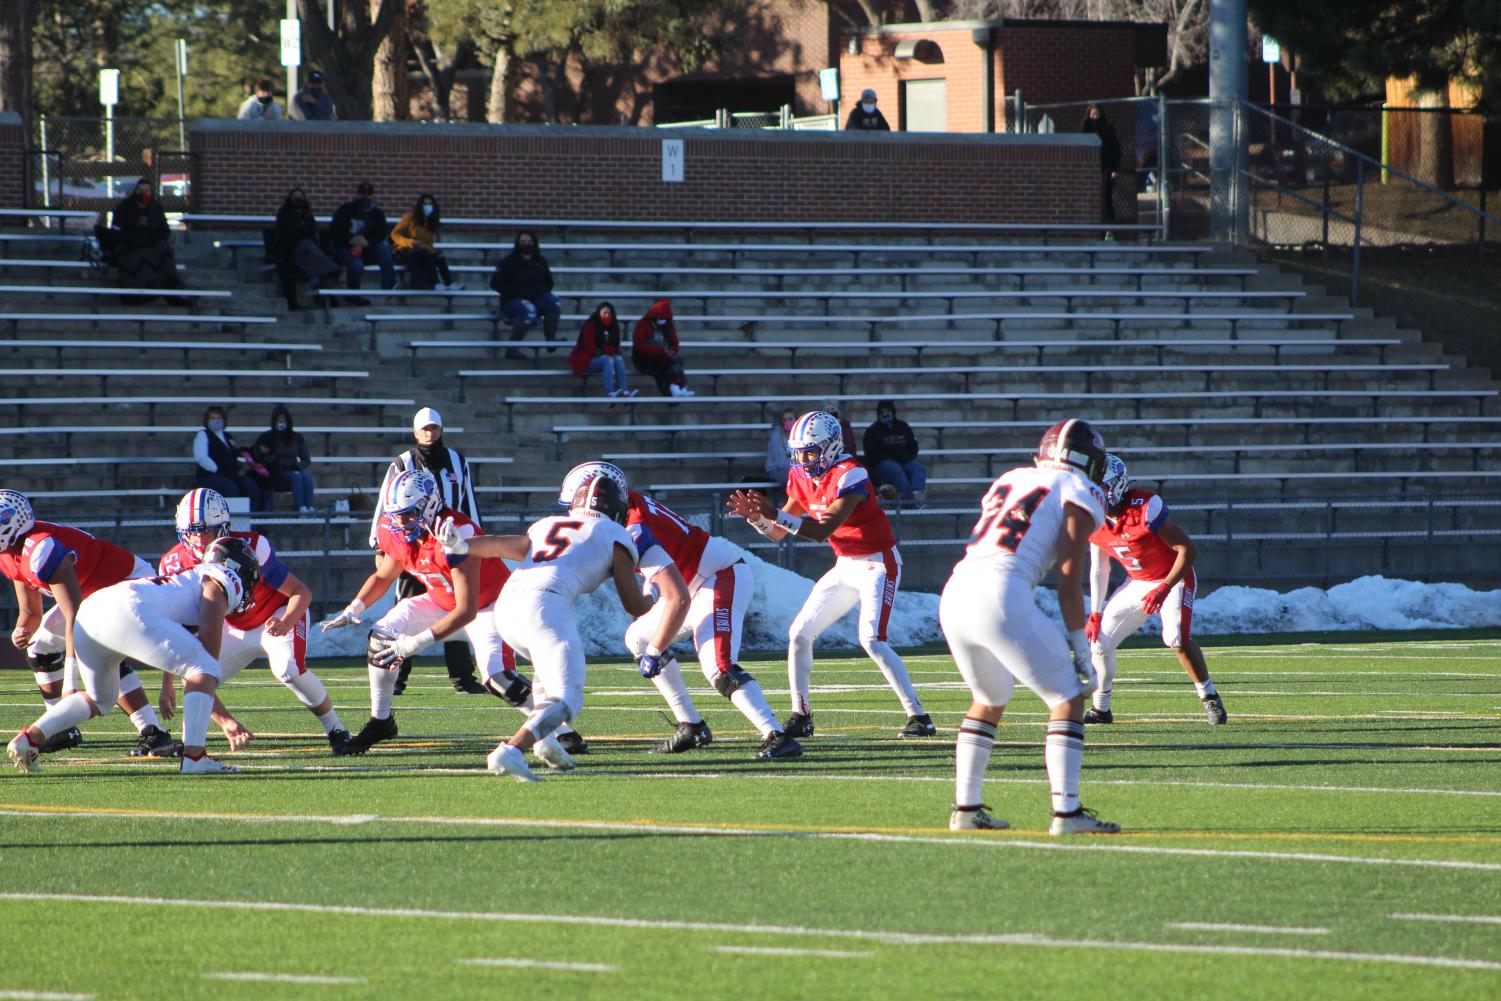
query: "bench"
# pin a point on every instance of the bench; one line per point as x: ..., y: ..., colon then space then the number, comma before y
x: 194, y: 296
x: 60, y: 344
x: 140, y: 319
x: 152, y: 402
x: 105, y: 374
x: 97, y: 430
x: 377, y: 462
x: 63, y: 216
x: 1072, y: 401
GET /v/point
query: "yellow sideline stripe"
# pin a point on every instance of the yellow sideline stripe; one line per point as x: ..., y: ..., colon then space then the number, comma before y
x: 648, y: 822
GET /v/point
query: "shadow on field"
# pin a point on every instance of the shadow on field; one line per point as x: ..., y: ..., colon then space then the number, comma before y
x: 412, y: 839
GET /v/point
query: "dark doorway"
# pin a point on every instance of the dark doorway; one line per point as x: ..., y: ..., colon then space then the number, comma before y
x: 689, y: 100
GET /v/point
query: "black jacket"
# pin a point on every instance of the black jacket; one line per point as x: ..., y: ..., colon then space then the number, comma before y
x: 284, y: 451
x: 896, y: 442
x: 358, y: 217
x: 860, y: 121
x: 515, y: 277
x: 140, y: 224
x: 295, y: 223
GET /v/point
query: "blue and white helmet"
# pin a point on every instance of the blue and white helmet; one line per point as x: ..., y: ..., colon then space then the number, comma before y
x: 202, y: 512
x: 815, y: 443
x: 583, y: 471
x: 1115, y: 482
x: 410, y: 504
x: 16, y: 518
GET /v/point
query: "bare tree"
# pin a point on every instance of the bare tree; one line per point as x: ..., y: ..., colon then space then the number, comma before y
x: 17, y: 19
x: 346, y: 55
x: 390, y: 88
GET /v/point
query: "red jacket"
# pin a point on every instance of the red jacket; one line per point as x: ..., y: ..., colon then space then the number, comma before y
x: 594, y: 339
x: 645, y: 334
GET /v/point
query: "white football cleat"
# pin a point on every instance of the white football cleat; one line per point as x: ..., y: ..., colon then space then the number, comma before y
x: 1082, y: 822
x: 206, y: 765
x: 975, y: 820
x: 507, y: 760
x: 25, y: 755
x: 551, y: 754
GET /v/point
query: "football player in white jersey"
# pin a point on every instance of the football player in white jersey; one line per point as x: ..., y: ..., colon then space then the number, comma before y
x: 145, y: 619
x: 1030, y: 519
x: 561, y: 558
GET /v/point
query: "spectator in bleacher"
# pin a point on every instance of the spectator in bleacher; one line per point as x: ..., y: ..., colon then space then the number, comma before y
x: 297, y: 249
x: 865, y: 116
x: 777, y: 461
x: 598, y: 350
x: 139, y: 243
x: 847, y: 432
x: 358, y: 236
x: 415, y: 238
x: 283, y: 451
x: 891, y: 456
x: 312, y: 103
x: 1110, y: 157
x: 224, y: 466
x: 260, y: 106
x: 524, y: 281
x: 654, y: 350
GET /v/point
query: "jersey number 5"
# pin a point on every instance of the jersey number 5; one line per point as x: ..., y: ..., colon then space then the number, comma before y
x: 557, y: 541
x: 1010, y: 522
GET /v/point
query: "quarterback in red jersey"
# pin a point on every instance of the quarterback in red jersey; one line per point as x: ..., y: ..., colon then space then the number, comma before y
x: 830, y: 498
x: 275, y: 624
x: 69, y: 565
x: 719, y: 584
x: 1158, y: 558
x: 460, y: 597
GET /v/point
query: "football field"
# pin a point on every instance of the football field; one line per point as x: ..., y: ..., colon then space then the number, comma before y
x: 1339, y: 838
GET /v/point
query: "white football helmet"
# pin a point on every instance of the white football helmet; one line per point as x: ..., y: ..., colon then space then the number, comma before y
x: 411, y: 503
x: 815, y: 443
x: 202, y: 512
x: 16, y: 518
x: 1116, y: 482
x: 578, y: 474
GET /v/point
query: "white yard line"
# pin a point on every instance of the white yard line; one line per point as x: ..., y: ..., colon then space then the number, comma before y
x: 12, y: 995
x: 799, y: 931
x: 1458, y: 919
x: 543, y: 964
x: 1256, y: 929
x: 751, y: 950
x: 285, y: 978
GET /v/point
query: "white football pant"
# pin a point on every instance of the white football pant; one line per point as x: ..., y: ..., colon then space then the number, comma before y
x: 112, y: 626
x: 999, y: 636
x: 541, y: 626
x: 51, y: 636
x: 1123, y: 615
x: 286, y: 655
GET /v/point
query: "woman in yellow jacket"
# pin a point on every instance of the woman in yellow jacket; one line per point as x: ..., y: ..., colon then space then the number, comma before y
x: 414, y: 240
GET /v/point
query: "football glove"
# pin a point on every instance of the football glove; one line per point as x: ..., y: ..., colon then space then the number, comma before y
x: 449, y: 538
x: 349, y: 617
x: 402, y: 647
x: 650, y: 665
x: 1092, y: 628
x: 1083, y: 664
x: 1154, y: 598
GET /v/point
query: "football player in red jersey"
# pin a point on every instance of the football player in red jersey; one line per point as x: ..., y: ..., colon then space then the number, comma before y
x: 274, y: 626
x: 69, y: 564
x: 720, y: 584
x: 830, y: 499
x: 460, y: 595
x: 1158, y: 557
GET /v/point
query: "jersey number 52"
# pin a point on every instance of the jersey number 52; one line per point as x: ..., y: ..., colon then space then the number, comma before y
x: 1010, y: 521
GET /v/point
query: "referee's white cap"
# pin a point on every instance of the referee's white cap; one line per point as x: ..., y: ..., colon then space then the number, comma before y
x: 426, y: 416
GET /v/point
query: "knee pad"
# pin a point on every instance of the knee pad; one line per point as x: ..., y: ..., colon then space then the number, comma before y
x: 126, y: 669
x: 374, y: 644
x: 44, y: 663
x: 511, y: 686
x: 732, y: 679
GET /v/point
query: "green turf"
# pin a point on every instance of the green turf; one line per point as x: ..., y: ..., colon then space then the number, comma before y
x: 1358, y: 779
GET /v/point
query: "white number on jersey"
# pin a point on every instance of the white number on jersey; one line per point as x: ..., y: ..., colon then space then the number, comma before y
x: 1004, y: 520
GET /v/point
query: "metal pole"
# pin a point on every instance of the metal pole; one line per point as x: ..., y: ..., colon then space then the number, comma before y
x: 47, y: 180
x: 1359, y: 221
x: 182, y: 114
x: 1481, y: 220
x: 109, y: 148
x: 291, y: 70
x: 1227, y: 87
x: 1164, y: 147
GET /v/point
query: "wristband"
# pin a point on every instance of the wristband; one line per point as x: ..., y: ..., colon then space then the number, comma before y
x: 425, y: 638
x: 760, y: 524
x: 652, y: 651
x: 789, y: 523
x: 356, y: 608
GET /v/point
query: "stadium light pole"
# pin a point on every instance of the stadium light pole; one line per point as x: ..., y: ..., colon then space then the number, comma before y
x: 1227, y: 88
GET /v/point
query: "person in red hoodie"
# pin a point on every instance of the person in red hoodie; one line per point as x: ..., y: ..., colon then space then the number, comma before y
x: 654, y: 350
x: 598, y: 350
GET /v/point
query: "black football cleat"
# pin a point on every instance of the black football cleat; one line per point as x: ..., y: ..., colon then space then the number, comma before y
x: 799, y: 725
x: 469, y: 686
x: 778, y: 745
x: 918, y: 726
x: 373, y: 732
x: 71, y: 737
x: 155, y: 742
x: 1214, y: 709
x: 1093, y: 715
x: 687, y: 737
x: 338, y: 740
x: 573, y: 742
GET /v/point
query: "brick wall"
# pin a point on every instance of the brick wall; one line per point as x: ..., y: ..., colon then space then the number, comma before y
x: 12, y: 160
x: 1066, y: 63
x: 876, y: 66
x: 615, y: 173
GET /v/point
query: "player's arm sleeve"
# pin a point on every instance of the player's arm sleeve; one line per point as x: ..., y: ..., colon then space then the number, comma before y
x: 854, y: 481
x: 1156, y: 513
x: 47, y: 559
x: 1099, y: 578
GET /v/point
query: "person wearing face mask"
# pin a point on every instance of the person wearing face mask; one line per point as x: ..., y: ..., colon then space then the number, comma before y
x: 312, y: 103
x: 284, y: 453
x: 414, y: 238
x: 891, y: 456
x: 846, y: 430
x: 260, y: 106
x: 598, y: 350
x: 777, y: 463
x: 1110, y: 158
x: 865, y: 116
x: 294, y: 246
x: 358, y: 237
x: 654, y: 350
x: 524, y: 281
x: 139, y: 243
x: 222, y: 465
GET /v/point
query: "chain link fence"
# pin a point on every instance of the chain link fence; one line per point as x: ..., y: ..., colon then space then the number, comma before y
x: 92, y: 163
